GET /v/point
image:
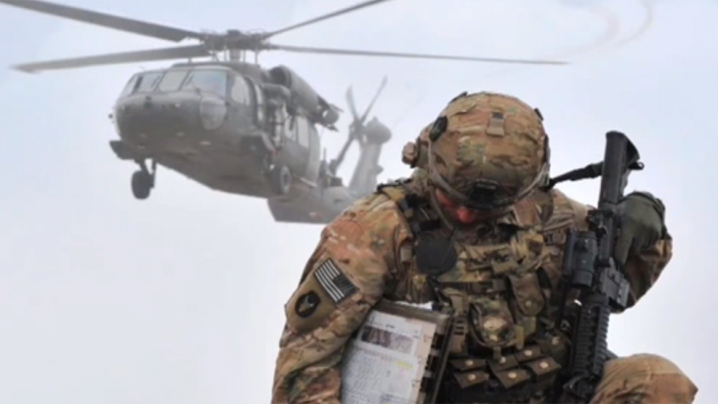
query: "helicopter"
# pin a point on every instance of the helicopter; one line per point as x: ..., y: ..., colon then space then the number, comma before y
x: 231, y: 124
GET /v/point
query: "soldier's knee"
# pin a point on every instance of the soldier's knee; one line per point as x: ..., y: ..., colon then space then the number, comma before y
x: 652, y: 377
x: 649, y: 363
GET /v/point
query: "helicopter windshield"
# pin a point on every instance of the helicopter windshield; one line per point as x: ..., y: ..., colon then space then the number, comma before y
x: 172, y: 81
x: 213, y: 81
x: 142, y: 83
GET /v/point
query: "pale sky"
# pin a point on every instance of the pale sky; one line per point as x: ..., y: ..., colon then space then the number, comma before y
x: 179, y: 299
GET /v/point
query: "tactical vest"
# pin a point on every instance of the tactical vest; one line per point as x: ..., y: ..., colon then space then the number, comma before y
x: 505, y: 347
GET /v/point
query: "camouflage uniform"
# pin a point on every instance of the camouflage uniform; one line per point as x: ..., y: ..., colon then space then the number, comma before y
x: 503, y: 281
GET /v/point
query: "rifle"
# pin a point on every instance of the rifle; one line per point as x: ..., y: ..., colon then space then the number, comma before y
x: 589, y: 267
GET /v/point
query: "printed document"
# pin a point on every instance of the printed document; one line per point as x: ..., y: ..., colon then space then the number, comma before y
x: 385, y: 361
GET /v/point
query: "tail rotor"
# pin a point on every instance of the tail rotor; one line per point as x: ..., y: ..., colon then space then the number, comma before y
x: 358, y: 126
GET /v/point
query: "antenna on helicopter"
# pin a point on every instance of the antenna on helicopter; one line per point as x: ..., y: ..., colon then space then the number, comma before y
x: 357, y: 127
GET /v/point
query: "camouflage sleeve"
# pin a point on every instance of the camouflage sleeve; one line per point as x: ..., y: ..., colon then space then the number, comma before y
x: 348, y: 273
x: 642, y: 269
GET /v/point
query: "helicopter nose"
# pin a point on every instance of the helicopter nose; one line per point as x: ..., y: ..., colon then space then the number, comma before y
x: 156, y: 118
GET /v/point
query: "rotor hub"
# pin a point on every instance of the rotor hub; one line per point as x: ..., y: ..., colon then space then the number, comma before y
x: 236, y: 40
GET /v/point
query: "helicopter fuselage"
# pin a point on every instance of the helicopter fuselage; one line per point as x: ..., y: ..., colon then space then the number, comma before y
x: 219, y: 127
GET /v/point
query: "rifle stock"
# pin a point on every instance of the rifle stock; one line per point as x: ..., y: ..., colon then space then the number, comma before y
x: 590, y: 268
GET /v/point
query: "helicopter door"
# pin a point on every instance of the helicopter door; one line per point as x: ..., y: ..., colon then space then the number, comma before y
x: 242, y: 103
x: 304, y: 139
x: 315, y: 154
x: 295, y: 152
x: 259, y: 104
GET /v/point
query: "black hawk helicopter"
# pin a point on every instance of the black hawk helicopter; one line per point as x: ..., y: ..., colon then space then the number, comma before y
x: 234, y: 125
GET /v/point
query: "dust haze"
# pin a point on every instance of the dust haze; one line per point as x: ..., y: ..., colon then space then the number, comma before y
x: 179, y: 298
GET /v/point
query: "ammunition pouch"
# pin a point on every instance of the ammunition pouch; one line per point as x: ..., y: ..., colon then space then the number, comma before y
x: 516, y: 373
x: 515, y: 378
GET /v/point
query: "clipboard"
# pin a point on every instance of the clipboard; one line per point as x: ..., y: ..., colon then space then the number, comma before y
x: 397, y: 356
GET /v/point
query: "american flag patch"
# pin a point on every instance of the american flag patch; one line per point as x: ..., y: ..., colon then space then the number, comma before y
x: 337, y: 286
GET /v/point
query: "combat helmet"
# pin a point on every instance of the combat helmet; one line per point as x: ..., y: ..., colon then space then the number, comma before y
x: 485, y: 151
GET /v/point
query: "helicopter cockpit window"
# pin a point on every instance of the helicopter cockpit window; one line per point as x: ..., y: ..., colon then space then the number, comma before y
x: 173, y: 80
x: 130, y: 86
x: 147, y: 82
x: 213, y: 81
x: 240, y: 90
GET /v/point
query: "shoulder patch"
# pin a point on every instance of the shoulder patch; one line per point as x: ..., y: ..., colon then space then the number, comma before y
x: 333, y: 281
x: 307, y: 304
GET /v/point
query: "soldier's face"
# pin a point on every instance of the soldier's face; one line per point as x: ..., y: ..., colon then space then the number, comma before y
x: 458, y: 212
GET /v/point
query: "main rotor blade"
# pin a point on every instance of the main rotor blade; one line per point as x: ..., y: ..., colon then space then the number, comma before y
x: 305, y: 49
x: 105, y: 20
x: 118, y: 58
x: 373, y: 101
x: 325, y: 17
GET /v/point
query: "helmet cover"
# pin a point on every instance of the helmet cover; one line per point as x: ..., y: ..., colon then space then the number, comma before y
x: 486, y: 150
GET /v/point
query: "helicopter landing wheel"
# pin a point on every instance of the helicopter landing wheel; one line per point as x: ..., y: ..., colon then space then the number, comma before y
x: 280, y: 179
x: 141, y: 184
